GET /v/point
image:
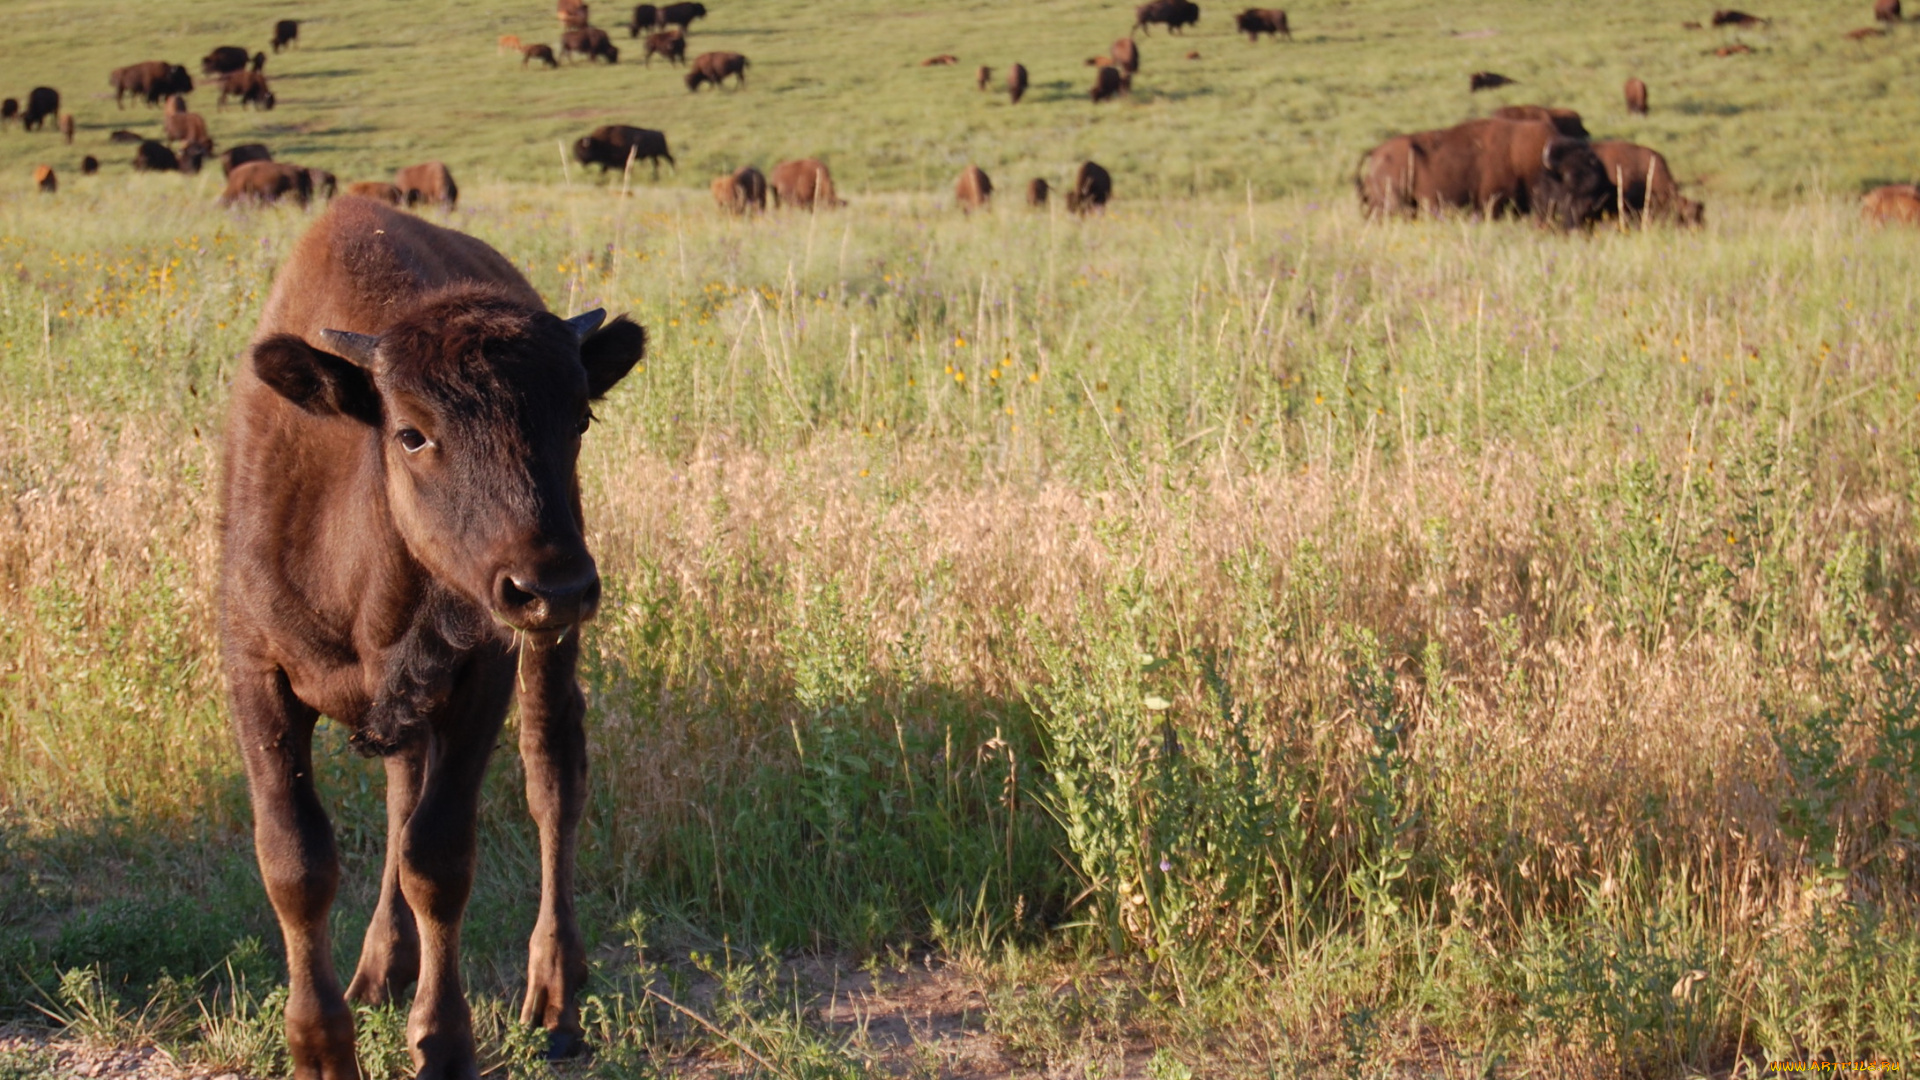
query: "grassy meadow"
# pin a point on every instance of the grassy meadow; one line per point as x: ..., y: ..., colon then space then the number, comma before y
x: 1228, y: 637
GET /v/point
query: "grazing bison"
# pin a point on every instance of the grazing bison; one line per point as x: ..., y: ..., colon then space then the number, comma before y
x: 974, y: 190
x: 325, y: 184
x: 44, y: 179
x: 1887, y: 11
x: 154, y: 156
x: 714, y: 67
x: 9, y: 110
x: 194, y: 155
x: 542, y: 53
x: 1565, y: 121
x: 1175, y: 15
x: 224, y: 60
x: 251, y: 88
x: 645, y: 17
x: 237, y: 156
x: 1016, y: 83
x: 1038, y: 191
x: 804, y: 185
x: 1636, y: 96
x: 573, y: 14
x: 1730, y: 17
x: 125, y: 136
x: 403, y: 552
x: 379, y: 190
x: 1256, y: 21
x: 981, y: 77
x: 43, y: 102
x: 613, y: 145
x: 1488, y: 167
x: 186, y: 128
x: 1487, y: 80
x: 429, y: 182
x: 1126, y: 55
x: 66, y: 127
x: 89, y: 165
x: 943, y: 60
x: 285, y: 33
x: 1107, y: 83
x: 1892, y: 204
x: 671, y: 44
x: 592, y: 43
x: 741, y: 191
x: 153, y: 80
x: 1644, y: 184
x: 259, y: 63
x: 267, y: 182
x: 1092, y: 188
x: 682, y: 15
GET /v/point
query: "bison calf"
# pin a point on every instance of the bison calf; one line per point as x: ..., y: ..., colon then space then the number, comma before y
x: 1092, y: 188
x: 1038, y: 192
x: 982, y: 77
x: 804, y: 184
x: 714, y: 67
x: 44, y: 179
x: 250, y: 87
x: 378, y: 190
x: 740, y: 191
x: 671, y: 44
x: 974, y: 190
x: 428, y: 182
x: 1016, y: 83
x: 1108, y: 82
x: 1636, y: 96
x: 542, y: 53
x: 66, y: 126
x: 267, y: 182
x: 89, y: 165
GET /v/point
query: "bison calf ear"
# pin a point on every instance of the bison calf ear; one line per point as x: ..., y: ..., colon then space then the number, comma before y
x: 610, y: 353
x: 319, y: 382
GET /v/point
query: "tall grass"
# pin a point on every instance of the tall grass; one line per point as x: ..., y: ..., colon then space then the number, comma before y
x: 1425, y: 644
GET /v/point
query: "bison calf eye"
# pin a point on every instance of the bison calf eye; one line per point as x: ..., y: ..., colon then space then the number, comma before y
x: 411, y: 440
x: 586, y: 422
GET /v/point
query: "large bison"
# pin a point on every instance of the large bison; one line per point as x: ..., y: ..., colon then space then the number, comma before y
x: 237, y: 156
x: 262, y: 182
x: 1644, y: 184
x: 645, y: 17
x: 1565, y: 121
x: 1493, y: 167
x: 682, y: 15
x: 1892, y: 204
x: 1256, y: 21
x: 613, y: 145
x: 224, y: 60
x: 1092, y: 188
x: 740, y: 191
x: 974, y: 190
x: 250, y: 87
x: 285, y: 33
x: 804, y: 185
x: 1016, y: 83
x: 671, y: 44
x: 714, y: 67
x: 591, y: 42
x: 1108, y: 82
x: 1636, y: 92
x: 403, y: 552
x: 427, y: 182
x: 153, y: 80
x: 1172, y: 14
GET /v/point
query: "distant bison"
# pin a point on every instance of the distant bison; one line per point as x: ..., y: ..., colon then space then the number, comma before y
x: 1738, y: 49
x: 1126, y: 55
x: 1017, y: 82
x: 1866, y: 32
x: 1636, y: 96
x: 573, y: 14
x: 375, y: 189
x: 194, y: 155
x: 1092, y: 188
x: 542, y: 53
x: 267, y: 182
x: 89, y: 165
x: 981, y: 77
x: 1487, y: 80
x: 250, y: 87
x: 1645, y: 184
x: 645, y: 17
x: 714, y: 67
x: 1886, y: 10
x: 9, y: 110
x: 125, y: 136
x: 237, y: 156
x: 1107, y: 84
x: 42, y: 102
x: 152, y: 80
x: 186, y: 128
x: 224, y: 60
x: 740, y: 191
x: 943, y: 60
x: 974, y: 190
x: 804, y: 184
x: 671, y: 44
x: 1565, y: 121
x: 285, y: 33
x: 259, y: 62
x: 682, y: 15
x: 155, y: 157
x: 508, y: 43
x: 429, y: 182
x: 1175, y: 15
x: 1892, y: 204
x: 325, y: 184
x: 44, y: 179
x: 1038, y: 191
x: 1256, y: 21
x: 1730, y: 17
x: 66, y: 126
x: 611, y: 146
x: 591, y: 42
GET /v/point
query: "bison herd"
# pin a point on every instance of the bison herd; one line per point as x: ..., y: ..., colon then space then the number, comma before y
x: 665, y: 26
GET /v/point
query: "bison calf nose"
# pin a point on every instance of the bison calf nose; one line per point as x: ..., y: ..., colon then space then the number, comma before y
x: 529, y: 603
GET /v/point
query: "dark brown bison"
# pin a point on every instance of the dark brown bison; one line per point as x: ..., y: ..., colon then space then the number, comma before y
x: 259, y: 63
x: 43, y: 104
x: 1256, y: 21
x: 1108, y: 82
x: 613, y: 145
x: 1636, y: 92
x: 714, y: 67
x: 804, y: 185
x: 9, y: 110
x: 1886, y: 11
x: 89, y: 165
x: 186, y: 128
x: 153, y: 80
x: 194, y: 155
x: 671, y: 44
x: 154, y: 156
x: 379, y: 190
x: 1038, y: 191
x: 1016, y: 82
x: 237, y: 156
x: 66, y: 127
x: 285, y: 33
x: 1487, y: 80
x: 974, y: 190
x: 742, y: 191
x: 1175, y: 15
x: 1565, y: 121
x: 224, y: 60
x: 645, y: 17
x: 428, y: 182
x: 542, y: 53
x: 1730, y: 17
x: 45, y: 180
x: 1092, y: 188
x: 267, y: 182
x: 981, y: 77
x: 1894, y: 204
x: 403, y: 552
x: 1645, y: 185
x: 592, y: 43
x: 1126, y: 55
x: 250, y: 88
x: 682, y: 15
x: 573, y: 14
x: 125, y: 136
x: 325, y: 184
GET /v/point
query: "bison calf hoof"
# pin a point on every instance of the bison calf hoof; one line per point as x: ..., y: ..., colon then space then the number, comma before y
x: 562, y: 1045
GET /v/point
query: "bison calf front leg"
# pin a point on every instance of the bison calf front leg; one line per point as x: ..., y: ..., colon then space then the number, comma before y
x: 553, y: 748
x: 390, y: 953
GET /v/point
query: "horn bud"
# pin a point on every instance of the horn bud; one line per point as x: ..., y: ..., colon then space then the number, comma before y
x: 358, y: 348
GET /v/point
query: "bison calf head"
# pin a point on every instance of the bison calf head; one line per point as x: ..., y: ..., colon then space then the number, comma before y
x: 480, y: 404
